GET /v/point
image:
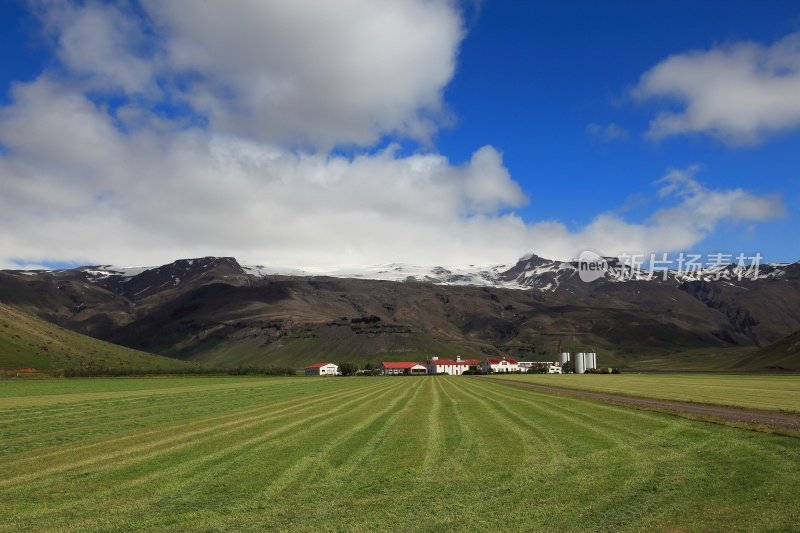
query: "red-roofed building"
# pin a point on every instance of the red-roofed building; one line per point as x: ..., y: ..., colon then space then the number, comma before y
x: 449, y: 366
x: 396, y: 368
x: 499, y: 365
x: 322, y: 369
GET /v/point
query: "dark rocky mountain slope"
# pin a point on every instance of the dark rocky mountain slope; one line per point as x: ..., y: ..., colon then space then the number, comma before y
x: 215, y: 310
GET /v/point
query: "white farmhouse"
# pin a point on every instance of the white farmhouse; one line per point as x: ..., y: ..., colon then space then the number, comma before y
x: 449, y: 366
x: 499, y: 365
x: 322, y: 369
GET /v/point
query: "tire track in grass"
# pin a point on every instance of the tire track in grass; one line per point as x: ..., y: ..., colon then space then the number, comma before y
x: 46, y: 411
x: 227, y: 454
x: 509, y: 420
x: 281, y: 498
x: 643, y: 467
x: 429, y: 478
x: 434, y: 449
x: 527, y: 471
x: 257, y: 444
x: 575, y: 416
x: 377, y: 450
x: 563, y: 410
x: 645, y: 484
x: 554, y: 455
x: 222, y: 467
x: 589, y: 483
x: 89, y: 427
x: 723, y: 414
x: 468, y: 441
x: 15, y: 402
x: 413, y: 408
x: 293, y: 472
x: 237, y: 424
x: 36, y: 455
x: 100, y: 406
x: 543, y: 437
x: 367, y: 449
x: 626, y: 431
x: 180, y: 439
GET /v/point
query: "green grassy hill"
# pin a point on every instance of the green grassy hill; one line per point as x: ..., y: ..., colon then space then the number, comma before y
x: 28, y: 342
x: 781, y: 355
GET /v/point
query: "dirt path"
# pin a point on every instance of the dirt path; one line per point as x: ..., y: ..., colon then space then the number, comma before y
x: 776, y: 420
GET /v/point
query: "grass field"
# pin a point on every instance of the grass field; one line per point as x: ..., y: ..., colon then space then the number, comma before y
x: 759, y: 391
x: 429, y: 453
x: 27, y: 341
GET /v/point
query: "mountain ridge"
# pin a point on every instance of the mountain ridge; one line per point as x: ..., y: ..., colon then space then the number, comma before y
x: 530, y: 272
x: 215, y: 310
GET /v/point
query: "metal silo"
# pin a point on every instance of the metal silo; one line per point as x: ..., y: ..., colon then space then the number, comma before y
x: 579, y: 363
x: 594, y: 359
x: 563, y: 357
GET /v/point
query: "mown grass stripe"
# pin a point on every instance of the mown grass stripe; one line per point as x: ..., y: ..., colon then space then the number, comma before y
x: 294, y: 471
x: 434, y: 447
x: 105, y: 442
x: 373, y: 445
x: 174, y: 472
x: 371, y: 459
x: 182, y: 439
x: 580, y: 416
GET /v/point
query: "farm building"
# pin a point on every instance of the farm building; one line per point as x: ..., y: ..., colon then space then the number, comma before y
x: 552, y: 367
x: 322, y: 369
x: 398, y: 368
x: 499, y: 365
x: 581, y: 361
x: 449, y: 366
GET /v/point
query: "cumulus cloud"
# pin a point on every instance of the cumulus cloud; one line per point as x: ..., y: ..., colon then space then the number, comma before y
x: 241, y: 165
x: 692, y: 213
x: 318, y: 74
x: 151, y: 196
x: 739, y: 92
x: 102, y: 45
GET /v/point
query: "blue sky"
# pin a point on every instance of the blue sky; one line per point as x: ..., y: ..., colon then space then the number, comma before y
x: 532, y: 76
x: 424, y: 132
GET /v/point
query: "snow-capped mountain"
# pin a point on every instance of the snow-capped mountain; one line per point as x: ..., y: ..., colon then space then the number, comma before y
x: 213, y: 307
x: 530, y: 272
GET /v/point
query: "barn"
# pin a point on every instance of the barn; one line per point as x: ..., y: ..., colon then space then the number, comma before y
x: 394, y: 368
x: 322, y: 369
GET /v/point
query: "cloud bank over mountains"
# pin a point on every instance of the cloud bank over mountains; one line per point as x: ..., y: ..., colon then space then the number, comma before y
x: 180, y: 129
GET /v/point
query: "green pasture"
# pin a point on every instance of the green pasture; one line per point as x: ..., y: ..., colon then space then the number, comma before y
x: 366, y: 454
x: 754, y: 391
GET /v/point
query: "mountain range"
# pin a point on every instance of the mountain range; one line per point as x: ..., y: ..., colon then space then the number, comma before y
x: 215, y: 310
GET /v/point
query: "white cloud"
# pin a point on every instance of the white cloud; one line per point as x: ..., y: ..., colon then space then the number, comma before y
x: 701, y: 209
x: 152, y: 196
x: 739, y: 93
x: 76, y: 187
x: 148, y: 196
x: 101, y: 45
x: 303, y: 72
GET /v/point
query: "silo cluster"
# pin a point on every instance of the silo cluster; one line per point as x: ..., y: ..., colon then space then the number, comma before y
x: 582, y: 361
